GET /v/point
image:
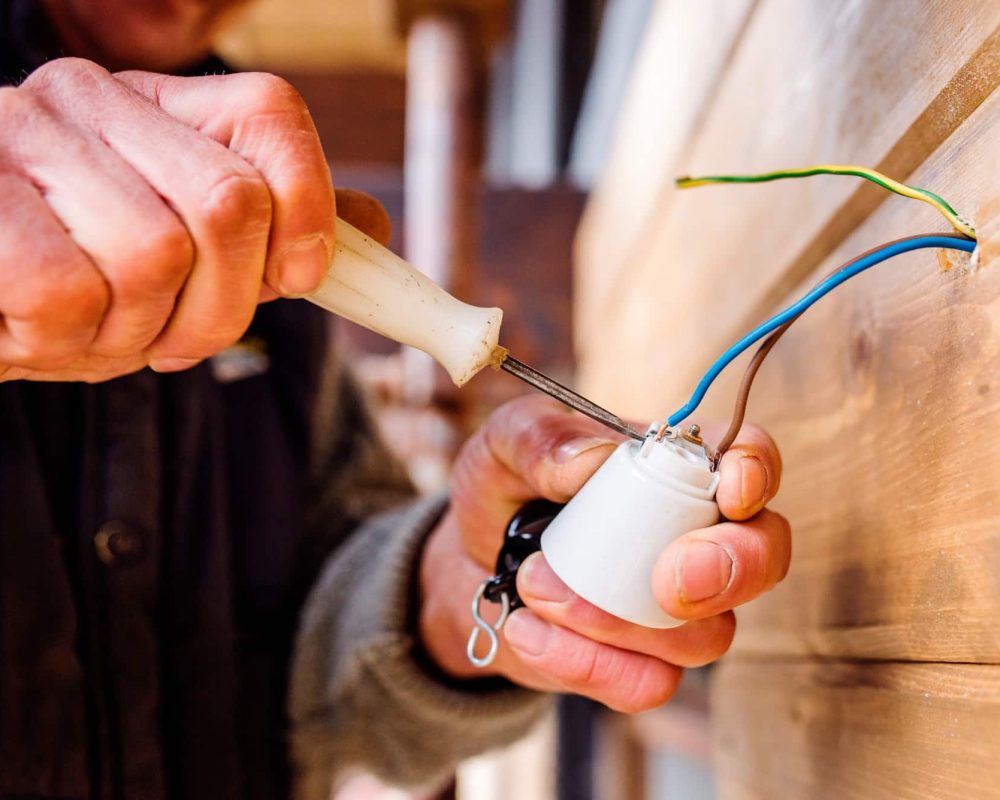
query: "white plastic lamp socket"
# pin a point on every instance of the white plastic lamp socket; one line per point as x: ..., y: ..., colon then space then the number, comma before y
x: 604, y: 543
x: 372, y: 286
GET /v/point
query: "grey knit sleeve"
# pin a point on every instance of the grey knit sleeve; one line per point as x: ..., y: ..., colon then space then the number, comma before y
x: 361, y: 696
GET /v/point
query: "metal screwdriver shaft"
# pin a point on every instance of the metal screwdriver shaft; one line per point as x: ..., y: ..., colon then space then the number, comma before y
x: 568, y: 396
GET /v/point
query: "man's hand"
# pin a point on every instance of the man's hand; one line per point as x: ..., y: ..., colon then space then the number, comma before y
x: 143, y: 217
x: 534, y: 448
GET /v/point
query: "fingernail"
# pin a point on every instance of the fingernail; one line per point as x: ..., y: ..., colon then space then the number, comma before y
x: 302, y: 266
x: 702, y: 570
x: 173, y: 364
x: 753, y: 481
x: 536, y: 578
x: 567, y: 451
x: 527, y: 633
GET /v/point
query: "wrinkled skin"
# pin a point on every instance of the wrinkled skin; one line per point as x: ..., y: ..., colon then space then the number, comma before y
x: 142, y: 217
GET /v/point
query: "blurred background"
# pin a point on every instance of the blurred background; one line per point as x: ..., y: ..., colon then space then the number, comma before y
x: 482, y: 125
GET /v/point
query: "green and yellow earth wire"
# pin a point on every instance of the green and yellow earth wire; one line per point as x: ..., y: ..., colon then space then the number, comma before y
x: 915, y: 193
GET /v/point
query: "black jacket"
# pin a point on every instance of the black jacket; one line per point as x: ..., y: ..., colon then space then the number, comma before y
x: 150, y: 560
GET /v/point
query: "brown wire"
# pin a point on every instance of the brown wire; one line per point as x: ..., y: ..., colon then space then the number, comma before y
x: 743, y: 393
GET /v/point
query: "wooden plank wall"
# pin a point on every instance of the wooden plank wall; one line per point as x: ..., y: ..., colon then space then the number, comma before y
x: 874, y: 669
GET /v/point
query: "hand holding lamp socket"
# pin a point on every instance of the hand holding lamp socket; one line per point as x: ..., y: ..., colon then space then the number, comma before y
x: 604, y: 543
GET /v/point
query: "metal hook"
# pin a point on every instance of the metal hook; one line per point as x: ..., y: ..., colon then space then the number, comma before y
x: 489, y: 630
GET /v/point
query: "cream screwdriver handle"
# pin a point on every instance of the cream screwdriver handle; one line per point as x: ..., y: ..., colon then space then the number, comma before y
x: 372, y: 286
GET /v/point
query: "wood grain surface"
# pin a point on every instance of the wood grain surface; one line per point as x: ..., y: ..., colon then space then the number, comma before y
x: 857, y: 731
x: 885, y: 401
x: 687, y: 47
x: 809, y: 82
x: 873, y: 670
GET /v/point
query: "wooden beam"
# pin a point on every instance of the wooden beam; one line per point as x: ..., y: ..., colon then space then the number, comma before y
x: 443, y: 143
x: 669, y: 93
x: 489, y: 19
x: 885, y: 400
x: 873, y: 670
x: 856, y: 731
x: 313, y: 36
x: 857, y: 80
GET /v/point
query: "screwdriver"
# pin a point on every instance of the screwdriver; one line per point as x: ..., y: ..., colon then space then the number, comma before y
x: 373, y: 287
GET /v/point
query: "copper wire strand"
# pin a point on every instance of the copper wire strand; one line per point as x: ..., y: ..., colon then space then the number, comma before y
x: 743, y: 393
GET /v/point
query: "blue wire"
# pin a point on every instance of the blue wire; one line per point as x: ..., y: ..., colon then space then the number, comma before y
x: 832, y: 282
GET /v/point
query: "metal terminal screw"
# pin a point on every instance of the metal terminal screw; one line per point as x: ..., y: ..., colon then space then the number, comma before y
x: 692, y: 434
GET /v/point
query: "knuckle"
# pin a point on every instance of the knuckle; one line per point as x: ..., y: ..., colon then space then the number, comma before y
x: 33, y: 347
x: 160, y: 262
x: 56, y: 328
x: 16, y: 103
x: 46, y: 356
x: 91, y: 296
x: 240, y: 201
x: 21, y: 109
x: 228, y: 334
x: 273, y: 93
x: 76, y: 300
x: 66, y: 72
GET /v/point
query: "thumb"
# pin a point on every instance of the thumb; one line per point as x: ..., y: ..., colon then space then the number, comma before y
x: 362, y: 211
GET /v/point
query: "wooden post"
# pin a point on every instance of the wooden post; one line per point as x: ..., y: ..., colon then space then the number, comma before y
x: 440, y: 167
